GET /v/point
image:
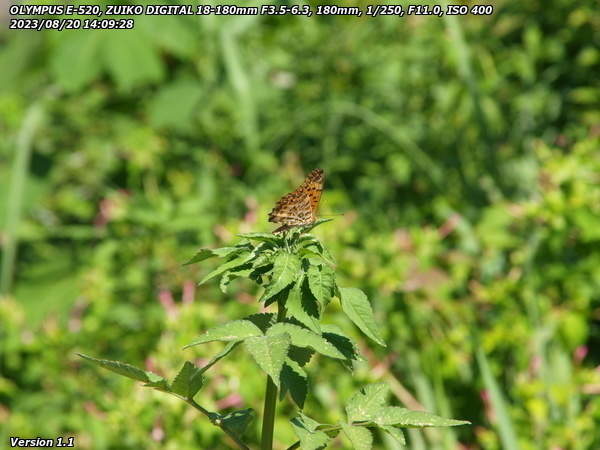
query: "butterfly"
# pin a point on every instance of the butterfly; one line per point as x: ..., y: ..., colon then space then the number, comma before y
x: 299, y: 208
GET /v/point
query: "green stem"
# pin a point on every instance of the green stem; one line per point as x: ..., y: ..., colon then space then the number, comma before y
x: 212, y: 416
x: 270, y: 401
x: 269, y: 415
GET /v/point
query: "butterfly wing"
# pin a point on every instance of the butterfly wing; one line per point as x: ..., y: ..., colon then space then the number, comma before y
x: 299, y: 207
x: 314, y: 187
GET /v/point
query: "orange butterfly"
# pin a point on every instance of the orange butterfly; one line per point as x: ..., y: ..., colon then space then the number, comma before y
x: 299, y: 208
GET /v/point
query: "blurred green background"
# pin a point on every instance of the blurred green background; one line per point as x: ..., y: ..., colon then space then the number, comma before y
x: 463, y: 152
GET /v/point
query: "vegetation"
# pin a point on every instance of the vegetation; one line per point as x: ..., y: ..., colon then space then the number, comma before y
x: 295, y: 271
x: 462, y: 151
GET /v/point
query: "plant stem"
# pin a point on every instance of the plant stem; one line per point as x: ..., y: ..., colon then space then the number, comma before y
x: 269, y: 415
x: 211, y: 416
x: 270, y: 401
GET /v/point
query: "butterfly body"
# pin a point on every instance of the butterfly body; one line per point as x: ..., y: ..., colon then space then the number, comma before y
x: 299, y: 208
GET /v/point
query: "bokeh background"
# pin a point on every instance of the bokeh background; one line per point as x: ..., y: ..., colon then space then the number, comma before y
x: 462, y: 151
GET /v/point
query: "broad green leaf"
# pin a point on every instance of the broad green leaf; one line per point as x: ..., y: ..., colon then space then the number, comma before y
x: 357, y: 307
x: 300, y: 355
x: 201, y: 255
x: 301, y: 337
x: 230, y: 275
x: 236, y: 330
x: 402, y: 417
x: 320, y: 282
x: 285, y: 269
x: 237, y: 421
x: 307, y: 422
x: 315, y: 225
x: 222, y: 354
x: 269, y: 352
x: 308, y: 240
x: 279, y: 298
x: 395, y: 433
x: 261, y: 320
x: 310, y: 438
x: 295, y: 381
x: 360, y: 437
x: 188, y: 381
x: 205, y: 253
x: 365, y: 404
x: 261, y: 266
x: 261, y: 237
x: 302, y: 306
x: 308, y: 253
x: 236, y: 262
x: 129, y: 371
x: 339, y: 340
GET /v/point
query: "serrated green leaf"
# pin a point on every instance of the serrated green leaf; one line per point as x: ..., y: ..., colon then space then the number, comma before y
x: 340, y: 341
x: 235, y: 262
x: 357, y: 307
x: 402, y: 417
x: 301, y: 337
x: 315, y: 225
x: 360, y: 437
x: 303, y: 307
x: 300, y: 355
x: 280, y: 298
x: 236, y: 330
x: 238, y: 272
x: 261, y: 320
x: 306, y: 252
x: 285, y: 269
x: 295, y: 381
x: 261, y: 237
x: 188, y: 381
x: 320, y: 281
x: 308, y: 423
x: 396, y: 434
x: 308, y: 240
x: 201, y: 255
x: 269, y: 352
x: 222, y: 354
x: 237, y: 421
x: 365, y: 404
x: 129, y: 371
x: 310, y: 438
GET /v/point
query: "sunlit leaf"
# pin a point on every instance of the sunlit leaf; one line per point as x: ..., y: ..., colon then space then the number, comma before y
x: 302, y: 337
x: 306, y: 430
x: 285, y: 269
x: 188, y: 381
x: 357, y: 307
x: 269, y: 352
x: 236, y: 330
x: 360, y: 437
x: 129, y: 371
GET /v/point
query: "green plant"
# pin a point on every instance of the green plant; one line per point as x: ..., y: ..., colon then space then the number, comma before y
x: 296, y: 272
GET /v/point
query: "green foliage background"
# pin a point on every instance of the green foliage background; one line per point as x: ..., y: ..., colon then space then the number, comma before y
x: 463, y: 152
